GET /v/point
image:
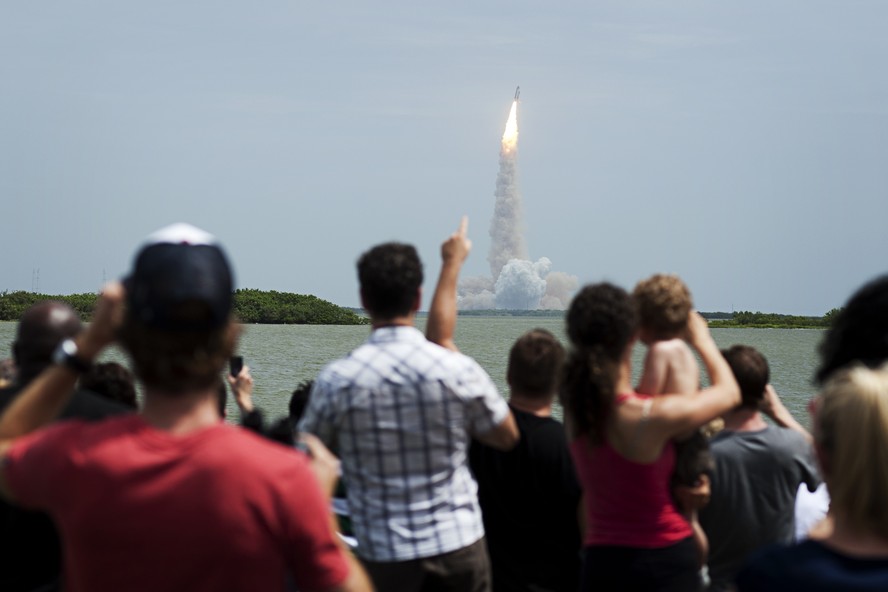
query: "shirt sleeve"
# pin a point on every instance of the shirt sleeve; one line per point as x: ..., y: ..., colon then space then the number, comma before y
x: 486, y: 408
x: 315, y: 559
x: 35, y: 465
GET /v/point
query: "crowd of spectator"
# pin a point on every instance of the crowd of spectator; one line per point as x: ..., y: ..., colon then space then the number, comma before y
x: 402, y: 468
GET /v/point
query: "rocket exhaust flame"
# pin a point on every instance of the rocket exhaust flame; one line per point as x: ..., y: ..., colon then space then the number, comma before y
x: 515, y: 282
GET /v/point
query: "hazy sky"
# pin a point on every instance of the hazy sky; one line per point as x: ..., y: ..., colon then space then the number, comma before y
x: 741, y: 144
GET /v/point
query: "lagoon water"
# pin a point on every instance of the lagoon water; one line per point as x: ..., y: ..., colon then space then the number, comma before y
x: 281, y: 356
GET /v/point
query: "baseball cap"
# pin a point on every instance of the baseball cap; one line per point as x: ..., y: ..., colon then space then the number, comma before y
x: 181, y: 280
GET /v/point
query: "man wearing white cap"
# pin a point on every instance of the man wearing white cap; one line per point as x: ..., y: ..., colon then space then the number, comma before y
x: 172, y: 498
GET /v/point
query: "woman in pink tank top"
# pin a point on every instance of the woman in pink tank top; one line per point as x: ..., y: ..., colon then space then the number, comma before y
x: 635, y: 537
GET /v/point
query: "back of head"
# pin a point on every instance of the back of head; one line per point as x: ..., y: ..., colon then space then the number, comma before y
x: 664, y: 303
x: 601, y: 323
x: 859, y: 333
x: 299, y: 401
x: 752, y: 372
x: 390, y: 275
x: 178, y: 327
x: 112, y: 381
x: 40, y: 330
x: 535, y: 362
x: 851, y: 431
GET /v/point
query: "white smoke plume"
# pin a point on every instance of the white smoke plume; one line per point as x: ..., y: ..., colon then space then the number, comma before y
x: 516, y: 283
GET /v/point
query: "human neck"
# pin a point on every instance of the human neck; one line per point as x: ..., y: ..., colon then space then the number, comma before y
x: 541, y: 407
x: 181, y: 413
x: 402, y: 321
x: 744, y: 420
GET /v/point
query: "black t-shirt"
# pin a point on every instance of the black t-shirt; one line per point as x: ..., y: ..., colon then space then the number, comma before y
x: 529, y: 499
x: 30, y: 552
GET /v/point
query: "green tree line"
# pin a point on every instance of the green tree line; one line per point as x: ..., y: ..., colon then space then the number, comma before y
x: 771, y: 320
x: 250, y: 306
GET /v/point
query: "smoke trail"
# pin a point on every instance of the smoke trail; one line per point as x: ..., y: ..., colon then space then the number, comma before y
x: 516, y: 283
x: 507, y: 225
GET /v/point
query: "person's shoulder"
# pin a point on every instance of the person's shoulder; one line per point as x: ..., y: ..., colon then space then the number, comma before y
x: 810, y: 566
x: 669, y: 347
x: 786, y: 438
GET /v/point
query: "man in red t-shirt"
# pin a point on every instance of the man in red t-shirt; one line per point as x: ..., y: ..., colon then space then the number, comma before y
x: 172, y: 498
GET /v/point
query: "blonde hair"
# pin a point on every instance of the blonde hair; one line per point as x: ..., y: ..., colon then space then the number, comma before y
x: 851, y: 429
x: 664, y: 303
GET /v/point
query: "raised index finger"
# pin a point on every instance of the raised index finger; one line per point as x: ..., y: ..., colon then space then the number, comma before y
x: 463, y: 226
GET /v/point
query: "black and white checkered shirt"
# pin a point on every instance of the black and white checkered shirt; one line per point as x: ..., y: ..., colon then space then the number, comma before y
x: 400, y: 411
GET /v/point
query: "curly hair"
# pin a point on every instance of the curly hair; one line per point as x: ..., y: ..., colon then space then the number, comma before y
x: 664, y: 303
x: 859, y: 332
x: 601, y: 323
x: 390, y: 275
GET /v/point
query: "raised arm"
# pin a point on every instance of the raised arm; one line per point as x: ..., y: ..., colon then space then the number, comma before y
x: 774, y: 408
x: 441, y: 324
x: 683, y: 412
x: 45, y: 397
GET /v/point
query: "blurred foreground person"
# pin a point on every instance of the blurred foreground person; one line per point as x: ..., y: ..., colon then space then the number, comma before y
x: 30, y: 550
x: 171, y: 498
x: 851, y: 440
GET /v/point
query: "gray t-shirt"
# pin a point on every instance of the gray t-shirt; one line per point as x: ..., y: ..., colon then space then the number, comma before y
x: 754, y: 488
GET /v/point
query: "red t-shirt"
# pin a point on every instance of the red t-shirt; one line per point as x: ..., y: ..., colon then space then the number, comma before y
x: 627, y: 504
x: 141, y: 509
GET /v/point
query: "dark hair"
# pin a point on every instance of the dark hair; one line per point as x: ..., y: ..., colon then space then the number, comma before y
x: 601, y: 323
x: 859, y: 332
x: 390, y: 275
x: 179, y: 361
x: 299, y: 400
x: 112, y: 381
x: 752, y: 372
x: 535, y: 362
x: 222, y: 399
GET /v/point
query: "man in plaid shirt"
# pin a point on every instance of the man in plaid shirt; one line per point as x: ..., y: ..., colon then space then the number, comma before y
x: 400, y: 412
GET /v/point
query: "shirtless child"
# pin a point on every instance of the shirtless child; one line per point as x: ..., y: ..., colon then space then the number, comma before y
x: 664, y: 303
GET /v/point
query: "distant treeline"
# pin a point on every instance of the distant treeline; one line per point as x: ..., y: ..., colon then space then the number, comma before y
x: 250, y: 306
x: 770, y: 320
x: 716, y: 319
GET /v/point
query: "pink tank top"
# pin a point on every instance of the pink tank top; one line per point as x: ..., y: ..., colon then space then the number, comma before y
x: 627, y: 504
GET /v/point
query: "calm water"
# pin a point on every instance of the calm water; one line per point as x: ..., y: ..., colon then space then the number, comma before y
x: 281, y: 356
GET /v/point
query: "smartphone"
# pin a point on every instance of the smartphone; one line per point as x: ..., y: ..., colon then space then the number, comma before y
x: 235, y: 365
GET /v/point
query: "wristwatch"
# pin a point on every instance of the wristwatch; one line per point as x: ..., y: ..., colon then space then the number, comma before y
x: 66, y: 355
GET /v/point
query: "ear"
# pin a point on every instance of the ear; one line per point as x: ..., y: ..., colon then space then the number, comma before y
x: 417, y: 302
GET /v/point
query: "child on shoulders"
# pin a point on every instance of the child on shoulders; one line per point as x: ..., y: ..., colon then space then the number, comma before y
x: 664, y: 303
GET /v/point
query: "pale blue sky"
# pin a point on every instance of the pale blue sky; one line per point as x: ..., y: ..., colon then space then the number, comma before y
x: 739, y: 144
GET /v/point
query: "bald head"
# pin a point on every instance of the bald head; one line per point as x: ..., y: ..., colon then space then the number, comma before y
x: 40, y: 330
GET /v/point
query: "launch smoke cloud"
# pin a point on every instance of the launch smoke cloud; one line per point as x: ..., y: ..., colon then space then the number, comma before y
x: 515, y: 282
